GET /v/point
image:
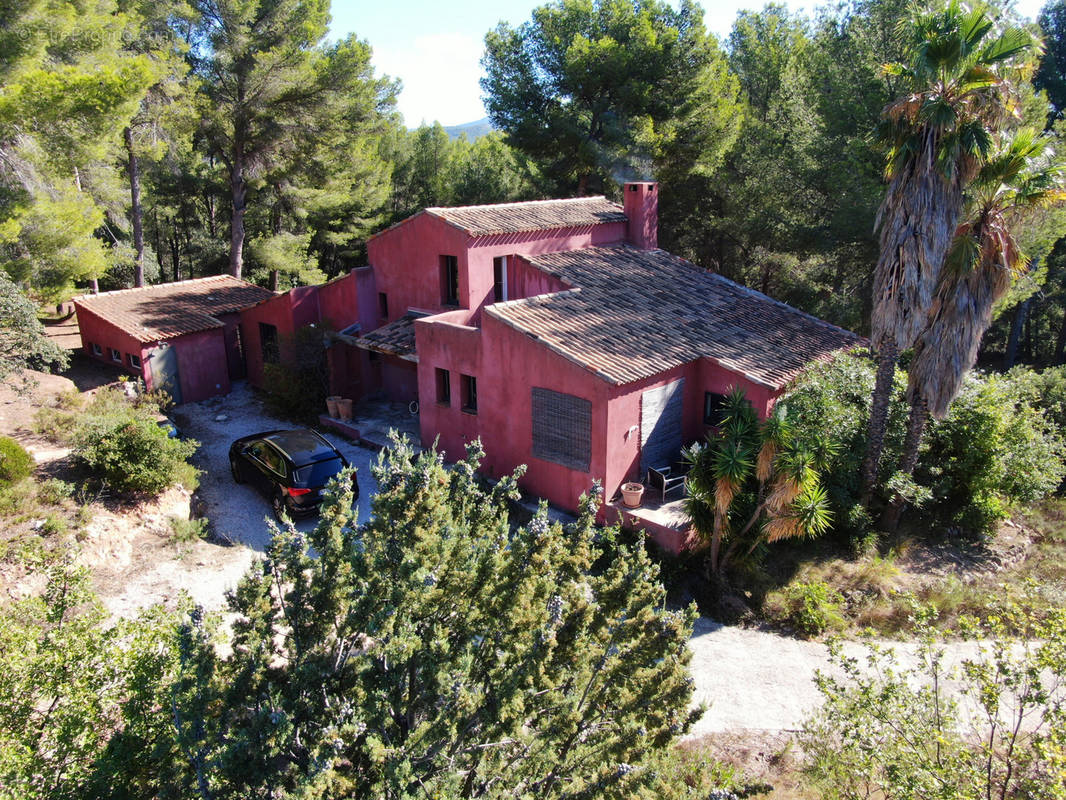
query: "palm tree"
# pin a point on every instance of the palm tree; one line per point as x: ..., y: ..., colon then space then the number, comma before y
x: 752, y: 482
x: 1021, y: 176
x: 936, y: 137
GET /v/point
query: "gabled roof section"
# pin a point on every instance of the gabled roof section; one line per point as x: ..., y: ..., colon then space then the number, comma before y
x: 166, y: 310
x: 534, y: 215
x: 396, y: 338
x: 635, y: 313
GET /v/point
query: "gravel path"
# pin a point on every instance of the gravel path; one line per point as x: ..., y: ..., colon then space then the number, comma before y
x: 758, y: 680
x: 237, y: 511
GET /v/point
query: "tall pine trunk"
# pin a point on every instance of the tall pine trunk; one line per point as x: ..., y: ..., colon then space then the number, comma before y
x: 239, y: 191
x: 887, y: 356
x: 919, y: 416
x: 136, y: 214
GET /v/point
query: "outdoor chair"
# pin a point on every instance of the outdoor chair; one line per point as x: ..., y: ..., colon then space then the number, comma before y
x: 666, y: 480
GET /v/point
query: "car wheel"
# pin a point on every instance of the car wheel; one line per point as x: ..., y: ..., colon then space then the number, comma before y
x: 235, y: 468
x: 279, y: 508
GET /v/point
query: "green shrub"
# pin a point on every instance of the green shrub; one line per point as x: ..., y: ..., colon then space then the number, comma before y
x: 54, y: 491
x: 993, y: 448
x: 188, y: 530
x: 297, y: 388
x: 999, y: 444
x: 54, y: 525
x: 15, y: 463
x: 832, y: 403
x: 1046, y: 390
x: 132, y: 454
x: 812, y: 608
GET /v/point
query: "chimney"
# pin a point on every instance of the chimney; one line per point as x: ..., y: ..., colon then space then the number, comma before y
x: 642, y: 213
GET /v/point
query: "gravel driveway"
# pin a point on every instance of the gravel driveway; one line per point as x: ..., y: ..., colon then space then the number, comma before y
x: 238, y: 511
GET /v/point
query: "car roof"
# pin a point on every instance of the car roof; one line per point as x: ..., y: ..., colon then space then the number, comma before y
x: 302, y: 446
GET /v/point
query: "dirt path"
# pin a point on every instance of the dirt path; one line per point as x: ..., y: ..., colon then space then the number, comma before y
x: 757, y: 680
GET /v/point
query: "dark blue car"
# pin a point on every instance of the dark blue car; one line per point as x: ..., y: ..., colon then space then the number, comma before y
x: 290, y: 468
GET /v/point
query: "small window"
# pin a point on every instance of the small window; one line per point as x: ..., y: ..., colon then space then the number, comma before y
x: 97, y: 349
x: 469, y: 387
x: 268, y: 343
x: 449, y: 280
x: 135, y: 361
x: 499, y: 279
x: 383, y: 305
x: 116, y: 355
x: 444, y: 387
x: 713, y: 408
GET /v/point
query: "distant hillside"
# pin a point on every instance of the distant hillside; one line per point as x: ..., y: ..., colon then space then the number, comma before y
x: 473, y: 130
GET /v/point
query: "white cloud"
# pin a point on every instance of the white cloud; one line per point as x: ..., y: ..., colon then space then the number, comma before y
x: 440, y: 74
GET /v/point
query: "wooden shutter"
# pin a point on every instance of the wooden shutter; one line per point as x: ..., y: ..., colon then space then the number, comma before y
x: 562, y: 429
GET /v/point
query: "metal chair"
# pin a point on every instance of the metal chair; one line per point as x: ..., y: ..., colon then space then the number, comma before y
x: 666, y: 480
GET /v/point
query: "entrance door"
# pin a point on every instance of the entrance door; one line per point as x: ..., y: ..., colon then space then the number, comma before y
x: 164, y: 365
x: 660, y: 425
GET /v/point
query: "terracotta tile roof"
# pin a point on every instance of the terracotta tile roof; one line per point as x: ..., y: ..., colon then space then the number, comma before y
x: 534, y: 215
x: 634, y: 313
x: 396, y: 338
x: 166, y: 310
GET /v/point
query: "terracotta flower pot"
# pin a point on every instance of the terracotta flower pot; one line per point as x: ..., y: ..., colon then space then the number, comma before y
x: 632, y: 493
x: 331, y: 406
x: 344, y: 406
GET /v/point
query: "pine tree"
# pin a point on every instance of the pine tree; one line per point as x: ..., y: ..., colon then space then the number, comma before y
x: 438, y: 650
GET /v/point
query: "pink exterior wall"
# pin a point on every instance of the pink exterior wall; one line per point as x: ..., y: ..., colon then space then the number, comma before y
x: 406, y: 263
x: 399, y: 379
x: 406, y: 259
x: 447, y: 341
x: 333, y: 306
x: 507, y: 365
x: 623, y: 412
x: 202, y: 367
x: 95, y: 330
x: 277, y: 311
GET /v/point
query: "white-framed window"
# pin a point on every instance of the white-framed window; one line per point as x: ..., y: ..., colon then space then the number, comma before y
x: 116, y: 355
x: 135, y: 361
x: 97, y: 349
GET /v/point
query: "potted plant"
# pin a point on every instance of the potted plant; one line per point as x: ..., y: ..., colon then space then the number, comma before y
x: 632, y: 492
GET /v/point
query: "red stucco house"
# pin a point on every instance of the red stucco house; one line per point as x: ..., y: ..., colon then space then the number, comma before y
x: 554, y: 330
x: 183, y: 337
x: 558, y: 333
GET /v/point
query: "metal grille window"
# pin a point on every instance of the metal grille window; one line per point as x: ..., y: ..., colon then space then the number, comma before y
x: 268, y: 343
x: 562, y: 429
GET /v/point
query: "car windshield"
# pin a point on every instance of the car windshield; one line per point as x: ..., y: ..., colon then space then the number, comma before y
x: 318, y: 473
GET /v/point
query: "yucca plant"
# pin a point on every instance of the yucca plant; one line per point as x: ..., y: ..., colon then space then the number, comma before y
x: 751, y: 482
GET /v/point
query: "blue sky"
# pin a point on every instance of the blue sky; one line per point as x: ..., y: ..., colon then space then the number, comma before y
x: 435, y: 47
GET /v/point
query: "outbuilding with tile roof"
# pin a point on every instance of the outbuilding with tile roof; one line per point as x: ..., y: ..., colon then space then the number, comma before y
x: 182, y: 337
